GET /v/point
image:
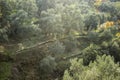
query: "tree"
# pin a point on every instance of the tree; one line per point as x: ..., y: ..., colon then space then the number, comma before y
x: 43, y: 5
x: 16, y: 15
x: 46, y: 66
x: 102, y: 68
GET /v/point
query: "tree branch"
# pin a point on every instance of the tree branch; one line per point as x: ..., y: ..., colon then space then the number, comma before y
x: 34, y: 46
x: 39, y: 45
x: 72, y: 56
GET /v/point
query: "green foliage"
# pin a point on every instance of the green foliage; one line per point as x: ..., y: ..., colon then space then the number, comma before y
x: 28, y: 6
x: 62, y: 66
x: 90, y: 53
x: 46, y: 66
x: 115, y: 49
x: 98, y: 36
x: 4, y: 19
x: 22, y: 18
x: 103, y: 68
x: 73, y: 27
x: 60, y: 20
x: 51, y: 23
x: 106, y: 35
x: 93, y: 36
x: 43, y: 5
x: 92, y: 21
x: 15, y: 16
x: 5, y: 70
x: 107, y: 7
x: 102, y: 42
x: 57, y: 48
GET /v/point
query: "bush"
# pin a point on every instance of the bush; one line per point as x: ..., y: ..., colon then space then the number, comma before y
x: 46, y: 66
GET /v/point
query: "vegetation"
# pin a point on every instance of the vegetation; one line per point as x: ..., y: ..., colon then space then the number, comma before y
x: 59, y: 40
x: 103, y: 68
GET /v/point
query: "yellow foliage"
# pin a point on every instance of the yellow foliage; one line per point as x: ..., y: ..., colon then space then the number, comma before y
x: 112, y: 23
x: 118, y: 34
x: 107, y: 24
x: 97, y: 2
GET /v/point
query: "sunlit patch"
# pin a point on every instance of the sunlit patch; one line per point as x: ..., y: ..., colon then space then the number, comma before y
x: 2, y: 49
x: 106, y: 25
x: 118, y: 34
x: 98, y: 2
x: 74, y: 32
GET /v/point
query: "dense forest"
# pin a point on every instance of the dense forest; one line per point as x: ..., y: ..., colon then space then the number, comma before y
x: 59, y: 39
